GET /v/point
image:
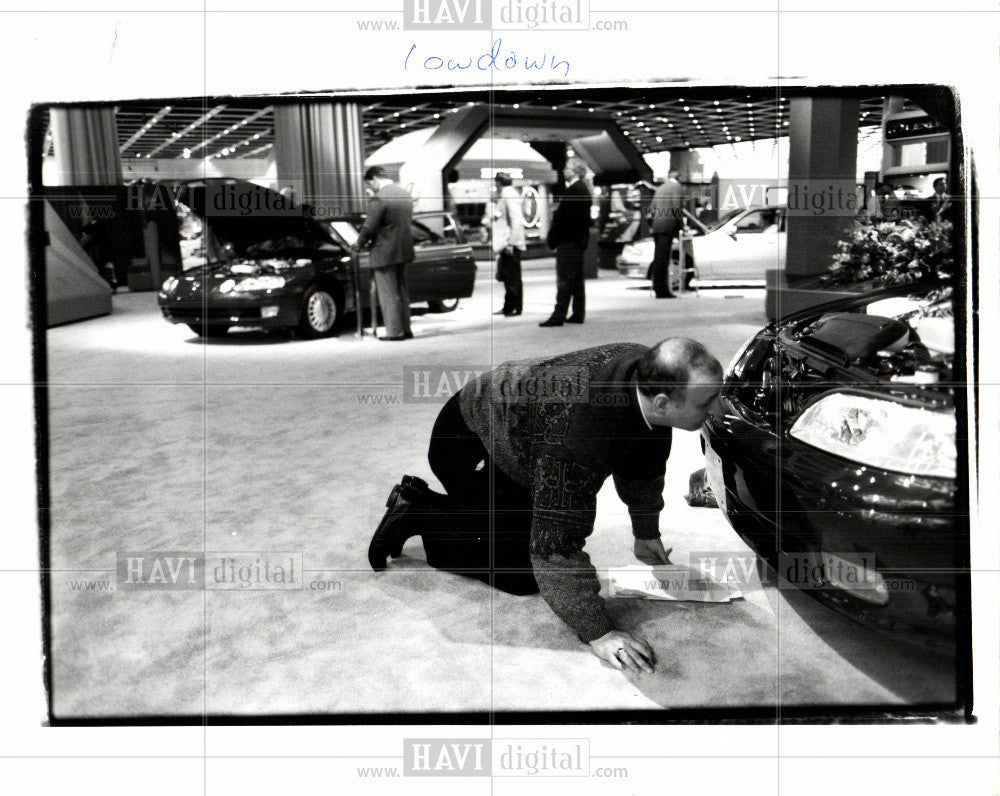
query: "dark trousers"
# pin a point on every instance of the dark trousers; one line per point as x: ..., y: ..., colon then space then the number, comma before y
x: 661, y: 262
x: 482, y: 527
x: 569, y: 283
x: 509, y: 272
x: 393, y: 298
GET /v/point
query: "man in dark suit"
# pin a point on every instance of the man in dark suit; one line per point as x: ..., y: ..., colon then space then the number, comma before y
x: 665, y: 222
x: 388, y: 227
x: 569, y: 235
x: 940, y: 203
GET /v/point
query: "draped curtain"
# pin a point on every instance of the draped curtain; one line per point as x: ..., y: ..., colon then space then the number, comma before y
x: 85, y: 145
x: 319, y: 154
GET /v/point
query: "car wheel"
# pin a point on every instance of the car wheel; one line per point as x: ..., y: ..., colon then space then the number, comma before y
x: 446, y: 305
x: 208, y: 330
x: 322, y: 311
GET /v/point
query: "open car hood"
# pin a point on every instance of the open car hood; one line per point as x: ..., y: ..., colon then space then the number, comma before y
x: 252, y: 221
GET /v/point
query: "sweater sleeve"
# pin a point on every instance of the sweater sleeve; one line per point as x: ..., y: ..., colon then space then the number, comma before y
x: 639, y: 480
x: 644, y: 498
x: 564, y: 499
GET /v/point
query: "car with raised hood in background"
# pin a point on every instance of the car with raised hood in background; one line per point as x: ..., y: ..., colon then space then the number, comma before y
x: 254, y: 258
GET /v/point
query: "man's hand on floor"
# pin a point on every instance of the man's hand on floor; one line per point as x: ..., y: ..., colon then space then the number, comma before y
x: 652, y: 552
x: 624, y: 651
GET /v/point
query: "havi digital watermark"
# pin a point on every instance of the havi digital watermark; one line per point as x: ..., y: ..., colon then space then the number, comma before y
x: 499, y: 15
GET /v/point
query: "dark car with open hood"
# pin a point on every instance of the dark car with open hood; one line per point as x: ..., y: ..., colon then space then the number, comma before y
x: 254, y: 258
x: 832, y: 451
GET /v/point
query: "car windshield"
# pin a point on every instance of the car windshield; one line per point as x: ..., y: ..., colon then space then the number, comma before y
x: 726, y: 219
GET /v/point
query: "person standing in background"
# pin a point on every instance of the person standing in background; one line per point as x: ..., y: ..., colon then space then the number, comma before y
x: 665, y: 222
x: 940, y: 201
x: 569, y: 235
x: 508, y: 244
x: 388, y: 228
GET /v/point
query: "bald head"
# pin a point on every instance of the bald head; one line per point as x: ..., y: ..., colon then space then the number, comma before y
x: 670, y: 364
x: 678, y: 379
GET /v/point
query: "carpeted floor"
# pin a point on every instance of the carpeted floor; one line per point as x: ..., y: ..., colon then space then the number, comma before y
x: 258, y: 443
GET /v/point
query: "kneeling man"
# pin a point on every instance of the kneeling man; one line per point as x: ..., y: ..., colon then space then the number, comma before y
x: 522, y: 452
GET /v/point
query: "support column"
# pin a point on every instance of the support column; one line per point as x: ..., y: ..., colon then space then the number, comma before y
x: 822, y: 199
x: 87, y: 205
x: 823, y: 152
x: 319, y: 154
x: 85, y: 145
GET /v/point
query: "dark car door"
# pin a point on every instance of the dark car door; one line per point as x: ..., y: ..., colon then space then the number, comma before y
x: 444, y: 267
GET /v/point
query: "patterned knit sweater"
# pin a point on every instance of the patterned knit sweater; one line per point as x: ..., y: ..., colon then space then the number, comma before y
x: 560, y: 427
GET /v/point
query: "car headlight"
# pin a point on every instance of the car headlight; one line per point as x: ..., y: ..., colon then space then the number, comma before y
x: 881, y: 433
x: 169, y: 285
x: 259, y: 283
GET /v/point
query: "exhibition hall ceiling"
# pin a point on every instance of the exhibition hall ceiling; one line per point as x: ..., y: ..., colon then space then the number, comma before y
x: 655, y: 120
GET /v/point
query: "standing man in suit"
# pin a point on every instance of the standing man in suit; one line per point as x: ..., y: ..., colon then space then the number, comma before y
x: 569, y: 235
x: 387, y: 227
x: 665, y: 222
x: 940, y: 201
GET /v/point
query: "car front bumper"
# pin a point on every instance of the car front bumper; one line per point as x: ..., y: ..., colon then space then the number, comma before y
x: 264, y: 311
x: 882, y: 547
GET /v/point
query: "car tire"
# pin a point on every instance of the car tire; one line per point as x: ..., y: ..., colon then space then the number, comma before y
x: 445, y: 305
x: 209, y: 330
x: 322, y: 312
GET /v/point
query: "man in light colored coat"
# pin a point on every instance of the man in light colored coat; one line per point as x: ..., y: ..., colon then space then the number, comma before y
x: 509, y: 243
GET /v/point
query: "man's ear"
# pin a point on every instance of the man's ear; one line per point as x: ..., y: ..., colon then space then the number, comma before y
x: 662, y: 403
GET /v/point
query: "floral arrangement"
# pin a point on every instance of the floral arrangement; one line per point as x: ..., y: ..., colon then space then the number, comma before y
x: 892, y: 253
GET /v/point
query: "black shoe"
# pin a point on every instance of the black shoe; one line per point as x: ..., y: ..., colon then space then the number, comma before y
x: 409, y: 482
x: 574, y: 319
x: 512, y: 313
x: 551, y: 322
x: 407, y: 335
x: 394, y: 338
x: 394, y: 529
x: 502, y: 312
x: 666, y: 295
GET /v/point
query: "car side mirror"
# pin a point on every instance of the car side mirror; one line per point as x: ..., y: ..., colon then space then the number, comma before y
x: 731, y: 231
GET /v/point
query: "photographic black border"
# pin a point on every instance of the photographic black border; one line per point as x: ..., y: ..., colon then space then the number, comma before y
x: 940, y: 101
